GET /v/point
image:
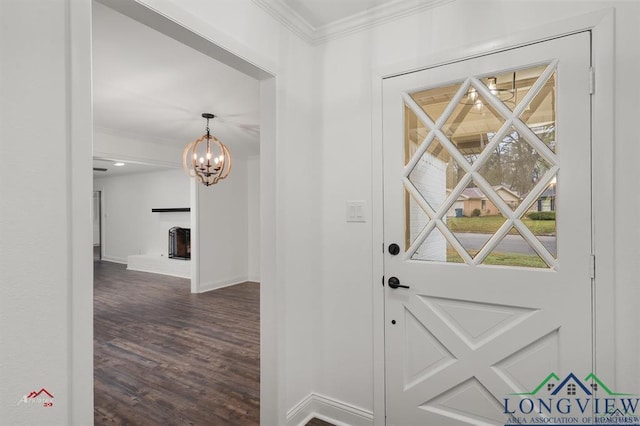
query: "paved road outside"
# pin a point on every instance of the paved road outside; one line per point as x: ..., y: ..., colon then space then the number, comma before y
x: 510, y: 243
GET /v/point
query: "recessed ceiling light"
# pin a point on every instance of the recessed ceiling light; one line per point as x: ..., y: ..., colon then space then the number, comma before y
x: 119, y: 164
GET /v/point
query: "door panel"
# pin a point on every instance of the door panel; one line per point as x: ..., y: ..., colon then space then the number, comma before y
x: 476, y: 154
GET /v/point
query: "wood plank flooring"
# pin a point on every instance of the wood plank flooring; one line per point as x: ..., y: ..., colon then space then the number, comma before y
x: 164, y: 356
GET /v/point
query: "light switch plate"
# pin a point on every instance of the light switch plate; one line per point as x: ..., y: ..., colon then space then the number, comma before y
x: 355, y: 211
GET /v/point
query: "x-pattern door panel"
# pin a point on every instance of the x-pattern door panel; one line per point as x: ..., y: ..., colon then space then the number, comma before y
x: 476, y: 154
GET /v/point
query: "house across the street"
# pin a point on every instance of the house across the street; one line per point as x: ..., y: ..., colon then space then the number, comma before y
x: 475, y: 198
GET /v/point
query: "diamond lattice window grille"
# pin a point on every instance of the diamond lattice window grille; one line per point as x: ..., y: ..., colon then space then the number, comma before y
x: 445, y: 146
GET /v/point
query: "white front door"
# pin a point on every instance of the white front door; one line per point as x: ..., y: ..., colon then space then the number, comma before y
x: 487, y: 173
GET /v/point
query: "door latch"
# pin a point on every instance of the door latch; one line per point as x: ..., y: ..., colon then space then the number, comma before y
x: 395, y: 283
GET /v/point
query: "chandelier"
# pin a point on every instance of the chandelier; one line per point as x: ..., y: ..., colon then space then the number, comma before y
x: 472, y: 96
x: 207, y: 159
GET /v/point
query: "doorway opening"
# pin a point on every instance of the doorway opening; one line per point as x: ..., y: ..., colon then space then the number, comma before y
x: 196, y: 348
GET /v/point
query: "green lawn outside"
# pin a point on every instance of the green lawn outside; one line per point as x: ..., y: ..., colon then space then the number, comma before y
x: 490, y: 224
x: 505, y: 259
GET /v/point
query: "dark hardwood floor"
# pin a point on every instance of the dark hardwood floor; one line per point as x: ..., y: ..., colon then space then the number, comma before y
x: 164, y: 356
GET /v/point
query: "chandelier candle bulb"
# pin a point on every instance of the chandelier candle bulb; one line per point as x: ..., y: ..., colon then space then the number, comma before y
x: 493, y: 88
x: 473, y: 94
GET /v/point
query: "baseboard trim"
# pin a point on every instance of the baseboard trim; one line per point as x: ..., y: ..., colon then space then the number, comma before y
x: 159, y: 264
x: 330, y: 410
x: 114, y: 259
x: 153, y: 271
x: 216, y: 285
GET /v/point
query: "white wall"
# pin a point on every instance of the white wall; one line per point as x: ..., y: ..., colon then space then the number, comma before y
x: 229, y: 228
x: 129, y: 225
x: 222, y: 230
x: 344, y: 361
x: 35, y: 210
x: 253, y: 218
x: 324, y: 283
x: 45, y: 212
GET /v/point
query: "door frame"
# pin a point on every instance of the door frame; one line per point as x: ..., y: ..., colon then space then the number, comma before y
x: 189, y: 30
x: 601, y: 26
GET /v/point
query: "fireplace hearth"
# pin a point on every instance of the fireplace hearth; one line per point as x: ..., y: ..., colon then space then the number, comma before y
x: 180, y: 243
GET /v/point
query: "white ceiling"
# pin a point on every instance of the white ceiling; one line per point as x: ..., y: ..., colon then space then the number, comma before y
x: 152, y: 88
x: 318, y: 21
x: 128, y: 168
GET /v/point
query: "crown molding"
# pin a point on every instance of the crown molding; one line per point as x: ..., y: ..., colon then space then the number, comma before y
x: 288, y: 18
x: 373, y: 17
x: 387, y: 12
